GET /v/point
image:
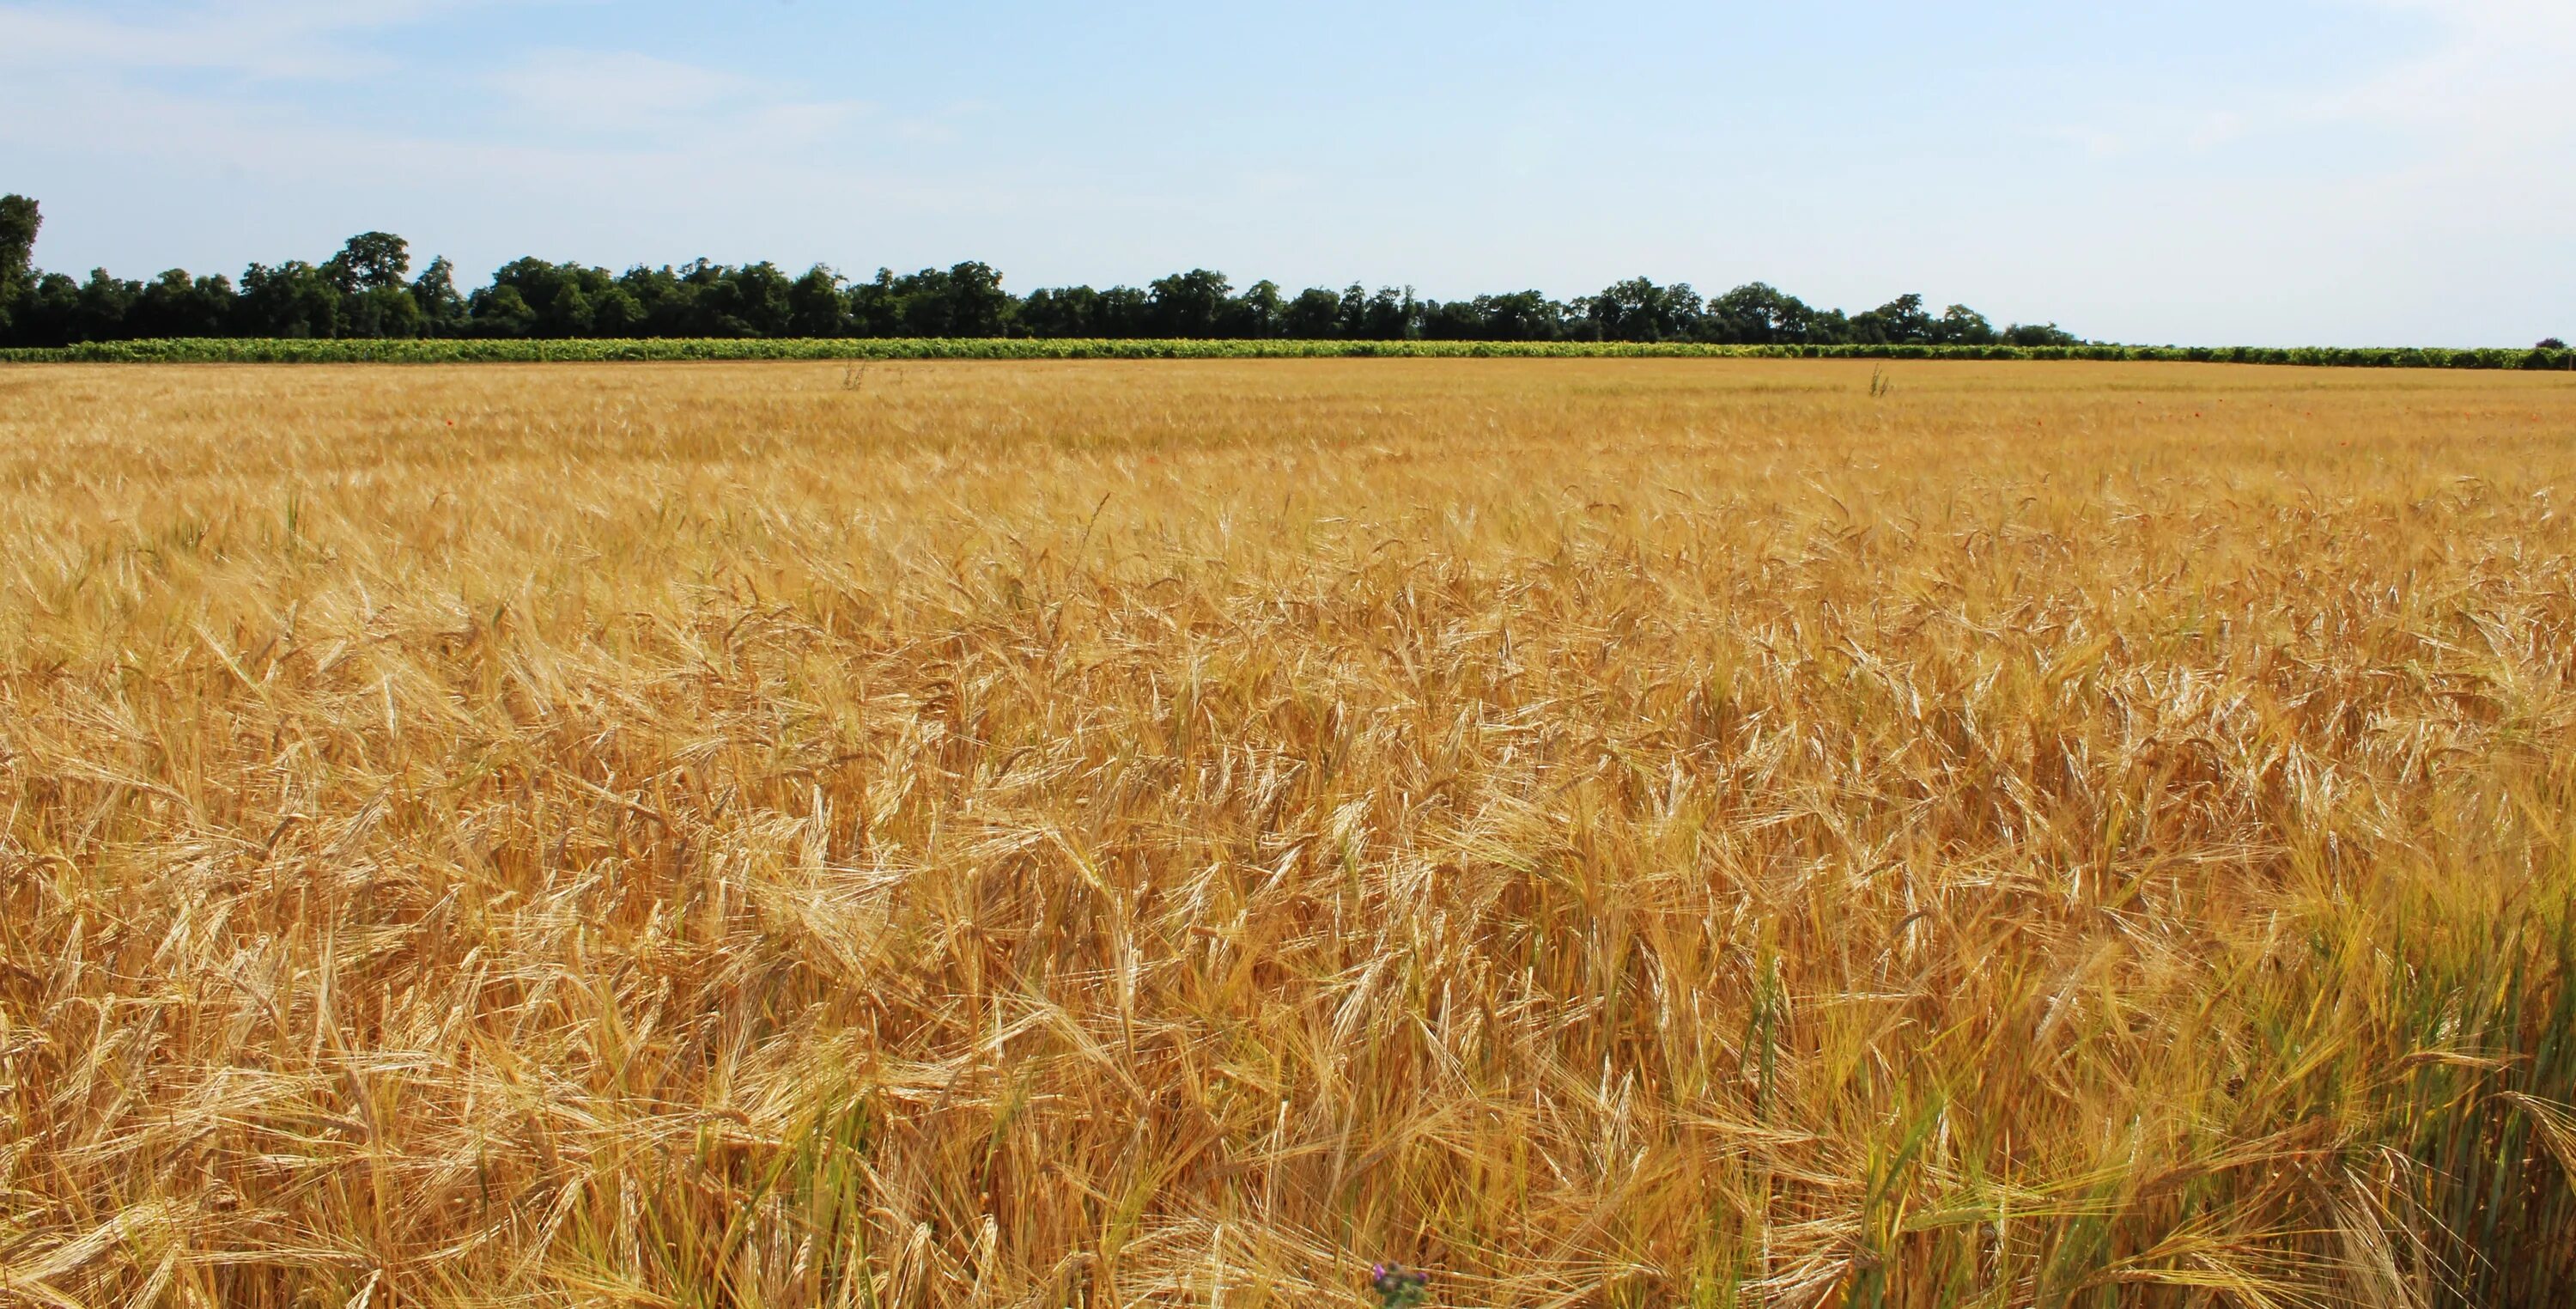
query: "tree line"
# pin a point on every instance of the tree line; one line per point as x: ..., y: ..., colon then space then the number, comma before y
x: 369, y: 290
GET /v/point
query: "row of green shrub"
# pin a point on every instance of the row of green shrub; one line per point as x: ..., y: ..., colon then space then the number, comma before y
x: 350, y: 351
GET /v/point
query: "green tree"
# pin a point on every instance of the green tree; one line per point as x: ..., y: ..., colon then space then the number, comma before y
x: 964, y: 300
x: 1125, y: 311
x: 1351, y: 323
x: 1190, y: 304
x: 1254, y: 315
x: 568, y: 312
x: 1639, y: 310
x: 106, y: 303
x: 2040, y: 334
x: 669, y: 302
x: 371, y: 261
x: 45, y: 308
x: 876, y: 308
x: 977, y: 304
x: 816, y: 306
x: 442, y: 310
x: 176, y: 305
x: 1392, y: 315
x: 502, y: 311
x: 1960, y: 325
x: 748, y: 301
x: 293, y: 299
x: 617, y: 313
x: 20, y: 219
x: 380, y: 311
x: 1518, y: 316
x: 1901, y: 321
x: 1315, y: 315
x: 1758, y: 313
x: 1070, y: 311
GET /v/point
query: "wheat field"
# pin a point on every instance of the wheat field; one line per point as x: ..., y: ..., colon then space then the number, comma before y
x: 1626, y: 833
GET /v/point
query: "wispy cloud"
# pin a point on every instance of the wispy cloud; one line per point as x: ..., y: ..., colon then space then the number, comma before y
x: 2477, y: 109
x: 588, y: 111
x: 268, y: 39
x: 2490, y: 80
x: 2500, y: 67
x: 636, y: 95
x: 561, y: 151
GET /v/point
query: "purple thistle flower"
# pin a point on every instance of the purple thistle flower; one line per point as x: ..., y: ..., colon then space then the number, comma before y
x: 1397, y: 1286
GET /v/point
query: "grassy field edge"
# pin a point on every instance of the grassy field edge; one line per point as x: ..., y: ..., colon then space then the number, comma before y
x: 225, y: 350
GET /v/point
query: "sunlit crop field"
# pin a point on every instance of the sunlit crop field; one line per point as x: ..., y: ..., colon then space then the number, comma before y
x: 1603, y: 832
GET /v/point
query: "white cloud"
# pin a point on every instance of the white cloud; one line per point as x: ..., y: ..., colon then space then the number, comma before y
x: 2491, y: 79
x: 271, y: 39
x: 562, y: 152
x: 637, y: 95
x: 2485, y: 112
x: 2501, y: 67
x: 2444, y: 140
x: 553, y: 113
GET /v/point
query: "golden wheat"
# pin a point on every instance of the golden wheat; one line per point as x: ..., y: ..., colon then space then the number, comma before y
x: 1609, y: 832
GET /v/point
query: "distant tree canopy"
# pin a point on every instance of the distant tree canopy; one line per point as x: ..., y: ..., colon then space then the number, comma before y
x: 19, y: 220
x: 367, y: 290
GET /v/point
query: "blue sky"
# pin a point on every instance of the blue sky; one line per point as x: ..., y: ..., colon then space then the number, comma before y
x: 2263, y: 171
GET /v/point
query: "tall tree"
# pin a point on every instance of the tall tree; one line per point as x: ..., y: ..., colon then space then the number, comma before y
x: 442, y: 310
x: 1519, y: 316
x: 1901, y: 321
x: 1255, y: 314
x: 502, y: 311
x: 815, y: 305
x: 1639, y: 310
x: 1759, y: 314
x: 44, y: 310
x: 176, y: 305
x: 1067, y: 311
x: 1960, y: 325
x: 383, y: 311
x: 977, y: 304
x: 1315, y: 315
x: 371, y: 261
x: 19, y: 220
x: 616, y: 312
x: 1125, y: 311
x: 294, y: 299
x: 106, y: 304
x: 1190, y: 304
